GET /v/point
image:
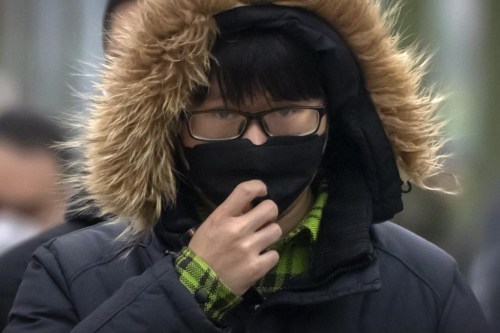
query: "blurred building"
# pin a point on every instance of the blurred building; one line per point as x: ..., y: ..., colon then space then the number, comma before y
x: 49, y: 50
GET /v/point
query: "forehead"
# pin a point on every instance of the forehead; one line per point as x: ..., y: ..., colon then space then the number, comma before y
x: 259, y: 100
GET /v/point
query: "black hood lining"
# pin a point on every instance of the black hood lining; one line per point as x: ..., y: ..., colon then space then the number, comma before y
x: 363, y: 179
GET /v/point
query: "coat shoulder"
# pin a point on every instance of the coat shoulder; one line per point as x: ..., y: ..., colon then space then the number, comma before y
x: 85, y: 248
x: 399, y: 247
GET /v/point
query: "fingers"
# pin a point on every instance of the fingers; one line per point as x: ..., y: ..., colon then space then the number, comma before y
x: 263, y: 214
x: 233, y: 239
x: 266, y: 236
x: 259, y: 267
x: 266, y: 261
x: 240, y: 200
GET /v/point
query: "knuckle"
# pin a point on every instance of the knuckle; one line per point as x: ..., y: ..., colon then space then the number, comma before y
x: 233, y: 230
x: 217, y: 220
x: 270, y: 208
x: 274, y: 257
x: 276, y: 230
x: 245, y: 246
x: 259, y: 183
x: 214, y: 217
x: 244, y: 188
x: 273, y: 207
x: 251, y: 187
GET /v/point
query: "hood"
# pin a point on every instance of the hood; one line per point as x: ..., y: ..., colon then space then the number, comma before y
x: 385, y: 122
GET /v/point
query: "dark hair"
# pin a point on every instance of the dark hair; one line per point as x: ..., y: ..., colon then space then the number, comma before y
x: 111, y: 7
x: 259, y: 61
x: 29, y: 130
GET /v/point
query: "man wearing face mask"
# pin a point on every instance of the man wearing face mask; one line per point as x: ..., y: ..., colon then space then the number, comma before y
x: 250, y: 154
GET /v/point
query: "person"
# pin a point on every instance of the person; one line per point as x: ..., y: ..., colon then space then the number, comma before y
x: 31, y: 200
x: 249, y: 154
x: 16, y: 259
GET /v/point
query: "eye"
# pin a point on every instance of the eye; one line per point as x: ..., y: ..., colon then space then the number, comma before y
x: 285, y: 112
x: 223, y: 114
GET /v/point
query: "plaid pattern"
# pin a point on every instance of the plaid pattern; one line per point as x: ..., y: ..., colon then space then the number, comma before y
x: 294, y: 250
x: 196, y: 275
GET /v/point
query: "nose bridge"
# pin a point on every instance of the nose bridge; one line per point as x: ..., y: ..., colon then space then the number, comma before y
x: 255, y: 132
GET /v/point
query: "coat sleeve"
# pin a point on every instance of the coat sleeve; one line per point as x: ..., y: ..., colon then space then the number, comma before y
x: 462, y: 312
x: 151, y: 302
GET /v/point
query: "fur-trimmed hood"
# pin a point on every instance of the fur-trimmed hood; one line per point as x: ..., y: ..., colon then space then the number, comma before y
x: 128, y: 166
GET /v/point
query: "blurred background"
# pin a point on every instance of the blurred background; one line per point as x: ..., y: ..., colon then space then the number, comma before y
x: 50, y: 51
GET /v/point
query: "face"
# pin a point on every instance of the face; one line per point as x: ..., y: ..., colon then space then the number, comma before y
x: 212, y: 170
x: 254, y: 132
x: 29, y: 186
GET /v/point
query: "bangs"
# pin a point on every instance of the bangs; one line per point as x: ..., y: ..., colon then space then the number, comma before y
x: 263, y: 62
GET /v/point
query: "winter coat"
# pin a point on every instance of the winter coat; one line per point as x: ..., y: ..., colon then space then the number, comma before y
x: 15, y: 261
x: 82, y: 283
x: 366, y: 275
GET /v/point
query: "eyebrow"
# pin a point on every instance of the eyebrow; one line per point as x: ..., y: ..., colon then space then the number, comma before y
x: 278, y: 104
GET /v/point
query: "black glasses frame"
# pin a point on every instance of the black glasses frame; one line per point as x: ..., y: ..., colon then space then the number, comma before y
x: 321, y: 109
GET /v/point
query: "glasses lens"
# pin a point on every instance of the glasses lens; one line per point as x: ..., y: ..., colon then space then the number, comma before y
x: 216, y: 125
x: 292, y: 121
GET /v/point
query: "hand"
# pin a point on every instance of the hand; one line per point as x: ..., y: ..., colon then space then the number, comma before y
x: 233, y: 239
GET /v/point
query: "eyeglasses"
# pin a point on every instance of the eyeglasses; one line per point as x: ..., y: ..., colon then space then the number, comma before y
x: 218, y: 125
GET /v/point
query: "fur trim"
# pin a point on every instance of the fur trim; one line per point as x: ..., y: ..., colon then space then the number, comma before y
x: 128, y: 164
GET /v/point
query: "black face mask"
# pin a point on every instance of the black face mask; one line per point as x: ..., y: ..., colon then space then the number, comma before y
x: 287, y: 165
